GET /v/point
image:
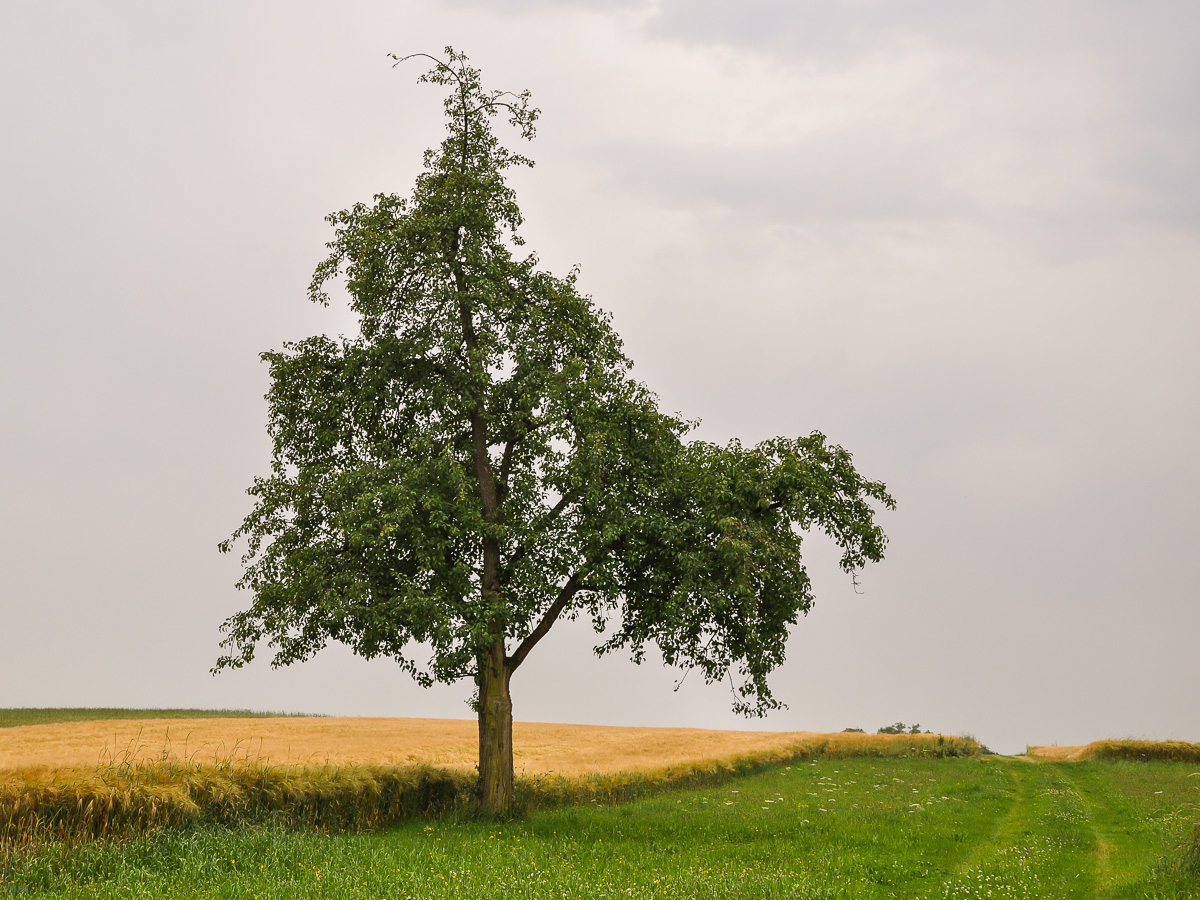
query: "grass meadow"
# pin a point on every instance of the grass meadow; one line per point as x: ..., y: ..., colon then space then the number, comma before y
x: 852, y: 828
x: 826, y: 823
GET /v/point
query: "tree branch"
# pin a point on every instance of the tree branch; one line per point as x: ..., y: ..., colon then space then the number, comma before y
x: 535, y: 532
x: 506, y: 461
x: 570, y: 589
x: 531, y: 424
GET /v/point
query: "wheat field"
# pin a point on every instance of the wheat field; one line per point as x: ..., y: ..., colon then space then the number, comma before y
x: 1055, y: 753
x: 539, y: 748
x: 1129, y: 749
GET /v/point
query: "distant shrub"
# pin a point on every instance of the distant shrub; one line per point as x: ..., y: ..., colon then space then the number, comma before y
x: 900, y: 728
x: 852, y: 731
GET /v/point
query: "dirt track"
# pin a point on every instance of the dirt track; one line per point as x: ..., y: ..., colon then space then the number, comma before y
x: 538, y: 748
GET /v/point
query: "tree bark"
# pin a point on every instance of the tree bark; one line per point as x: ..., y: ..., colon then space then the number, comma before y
x: 495, y: 733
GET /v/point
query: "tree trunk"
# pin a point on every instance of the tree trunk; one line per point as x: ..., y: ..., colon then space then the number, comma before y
x: 495, y: 733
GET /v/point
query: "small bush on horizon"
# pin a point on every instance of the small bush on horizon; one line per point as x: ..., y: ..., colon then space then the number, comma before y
x: 901, y: 728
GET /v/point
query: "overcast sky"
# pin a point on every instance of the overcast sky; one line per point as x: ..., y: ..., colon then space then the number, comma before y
x: 962, y: 240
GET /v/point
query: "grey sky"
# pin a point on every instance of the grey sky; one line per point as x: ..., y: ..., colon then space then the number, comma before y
x: 961, y: 240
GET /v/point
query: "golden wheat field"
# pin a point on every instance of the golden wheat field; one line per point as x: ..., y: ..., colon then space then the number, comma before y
x: 453, y: 743
x: 1056, y: 753
x: 1129, y: 749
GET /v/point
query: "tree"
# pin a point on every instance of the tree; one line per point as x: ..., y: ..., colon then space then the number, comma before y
x: 478, y: 463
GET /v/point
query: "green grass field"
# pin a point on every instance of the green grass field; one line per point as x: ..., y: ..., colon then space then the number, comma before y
x: 853, y: 828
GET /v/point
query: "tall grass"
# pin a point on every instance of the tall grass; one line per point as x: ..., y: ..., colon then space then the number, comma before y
x: 1189, y: 857
x: 129, y: 797
x: 1165, y: 751
x: 1191, y: 851
x: 115, y: 801
x: 846, y: 745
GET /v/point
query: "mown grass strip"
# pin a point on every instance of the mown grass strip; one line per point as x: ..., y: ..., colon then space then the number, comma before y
x: 1141, y: 813
x: 1044, y: 848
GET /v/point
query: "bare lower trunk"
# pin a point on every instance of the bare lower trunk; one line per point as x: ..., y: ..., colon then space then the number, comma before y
x: 495, y: 733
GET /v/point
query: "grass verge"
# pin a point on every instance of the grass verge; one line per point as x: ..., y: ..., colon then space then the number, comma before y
x: 867, y: 828
x: 821, y: 828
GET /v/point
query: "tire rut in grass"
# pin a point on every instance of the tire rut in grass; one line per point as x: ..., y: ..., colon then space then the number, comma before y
x: 1044, y: 848
x: 1104, y: 845
x: 1129, y: 856
x: 1005, y: 825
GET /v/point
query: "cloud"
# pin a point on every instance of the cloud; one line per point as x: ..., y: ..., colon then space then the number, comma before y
x: 958, y: 238
x: 1079, y: 114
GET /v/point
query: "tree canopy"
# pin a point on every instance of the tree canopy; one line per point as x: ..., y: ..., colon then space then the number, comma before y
x: 479, y: 462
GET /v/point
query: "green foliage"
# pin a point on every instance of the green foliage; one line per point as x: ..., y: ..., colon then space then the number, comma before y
x: 900, y: 728
x: 54, y: 715
x: 478, y: 460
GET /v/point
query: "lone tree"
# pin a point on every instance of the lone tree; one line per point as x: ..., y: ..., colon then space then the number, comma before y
x: 478, y: 463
